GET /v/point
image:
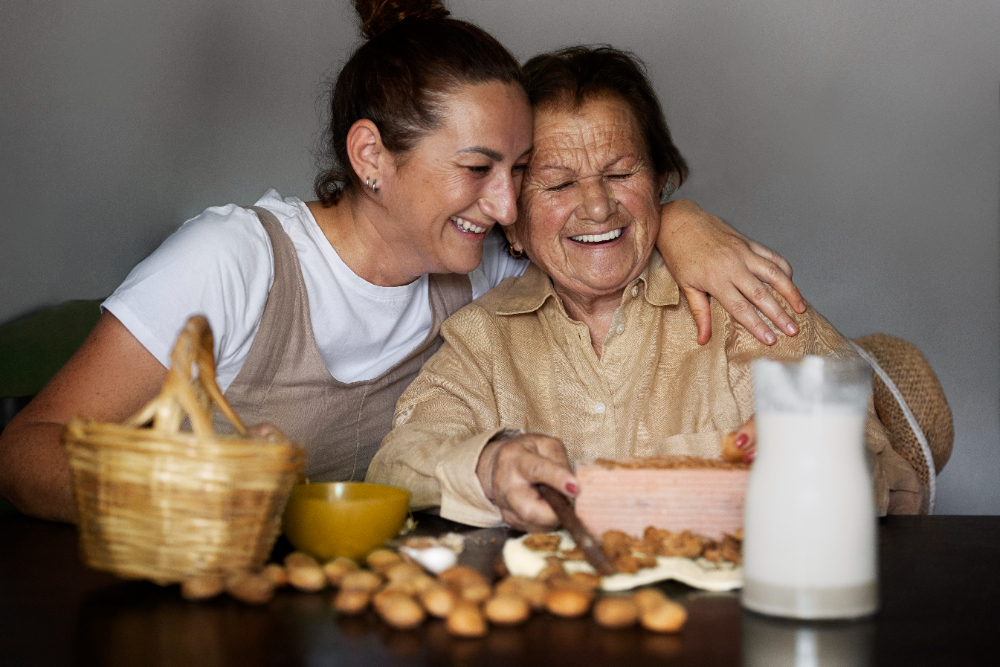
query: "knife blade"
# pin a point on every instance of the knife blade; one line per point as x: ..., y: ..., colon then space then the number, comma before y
x: 590, y: 547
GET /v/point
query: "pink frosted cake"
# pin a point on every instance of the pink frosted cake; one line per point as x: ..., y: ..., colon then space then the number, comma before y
x: 676, y: 493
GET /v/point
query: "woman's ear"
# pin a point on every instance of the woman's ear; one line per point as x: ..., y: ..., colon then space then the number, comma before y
x: 365, y: 150
x: 666, y: 185
x: 661, y: 181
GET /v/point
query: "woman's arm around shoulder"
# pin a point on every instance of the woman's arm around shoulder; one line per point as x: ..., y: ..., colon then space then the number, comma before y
x: 109, y: 378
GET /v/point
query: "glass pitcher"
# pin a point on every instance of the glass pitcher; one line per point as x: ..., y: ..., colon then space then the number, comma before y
x: 810, y: 545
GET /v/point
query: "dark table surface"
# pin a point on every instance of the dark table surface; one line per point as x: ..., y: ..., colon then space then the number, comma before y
x: 940, y: 597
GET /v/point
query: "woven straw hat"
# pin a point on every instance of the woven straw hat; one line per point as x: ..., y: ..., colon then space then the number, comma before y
x: 905, y: 383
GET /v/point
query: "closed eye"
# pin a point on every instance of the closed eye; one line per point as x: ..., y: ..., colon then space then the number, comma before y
x: 561, y: 186
x: 480, y: 170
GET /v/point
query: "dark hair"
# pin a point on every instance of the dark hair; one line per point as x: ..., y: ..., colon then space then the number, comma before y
x: 577, y: 74
x: 414, y: 56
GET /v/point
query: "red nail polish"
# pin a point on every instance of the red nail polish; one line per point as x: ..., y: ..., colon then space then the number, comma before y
x: 571, y: 488
x: 741, y: 440
x: 750, y: 457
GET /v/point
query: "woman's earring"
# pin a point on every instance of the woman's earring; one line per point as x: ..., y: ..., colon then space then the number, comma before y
x: 515, y: 253
x: 371, y: 184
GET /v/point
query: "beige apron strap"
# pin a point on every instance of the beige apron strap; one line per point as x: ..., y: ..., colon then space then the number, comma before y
x: 287, y: 301
x: 277, y: 344
x: 449, y: 292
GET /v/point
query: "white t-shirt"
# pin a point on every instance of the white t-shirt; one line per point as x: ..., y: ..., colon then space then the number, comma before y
x: 220, y: 264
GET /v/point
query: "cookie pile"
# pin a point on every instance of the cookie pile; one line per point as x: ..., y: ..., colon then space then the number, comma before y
x: 404, y: 595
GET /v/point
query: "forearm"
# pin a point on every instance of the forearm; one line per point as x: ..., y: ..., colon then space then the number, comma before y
x: 407, y: 459
x: 34, y: 470
x: 677, y: 218
x: 438, y: 470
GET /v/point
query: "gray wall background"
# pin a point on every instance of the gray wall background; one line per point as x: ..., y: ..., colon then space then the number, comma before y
x: 860, y: 138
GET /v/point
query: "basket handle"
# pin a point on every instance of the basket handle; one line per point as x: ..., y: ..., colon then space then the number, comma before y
x: 181, y: 395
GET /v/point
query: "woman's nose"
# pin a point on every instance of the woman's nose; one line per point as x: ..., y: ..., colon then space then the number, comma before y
x: 596, y: 203
x: 500, y: 200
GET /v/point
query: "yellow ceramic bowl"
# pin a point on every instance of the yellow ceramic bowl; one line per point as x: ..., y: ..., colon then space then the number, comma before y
x: 343, y: 518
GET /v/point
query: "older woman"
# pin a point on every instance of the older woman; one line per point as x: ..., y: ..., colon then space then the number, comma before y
x: 591, y: 353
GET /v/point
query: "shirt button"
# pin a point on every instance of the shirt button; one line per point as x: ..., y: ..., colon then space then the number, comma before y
x: 635, y: 290
x: 599, y: 408
x: 621, y: 328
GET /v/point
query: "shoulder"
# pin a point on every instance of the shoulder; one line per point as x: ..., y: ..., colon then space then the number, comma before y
x: 469, y: 322
x: 219, y: 264
x: 220, y: 236
x: 816, y: 334
x: 236, y: 231
x: 491, y: 322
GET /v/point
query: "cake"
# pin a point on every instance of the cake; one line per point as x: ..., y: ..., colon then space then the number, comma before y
x: 676, y: 493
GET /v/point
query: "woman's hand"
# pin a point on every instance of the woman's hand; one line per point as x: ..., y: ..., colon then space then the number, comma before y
x: 509, y: 468
x: 741, y: 444
x: 707, y: 256
x: 267, y: 431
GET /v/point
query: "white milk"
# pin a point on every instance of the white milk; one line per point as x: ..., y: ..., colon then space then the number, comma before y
x: 810, y: 546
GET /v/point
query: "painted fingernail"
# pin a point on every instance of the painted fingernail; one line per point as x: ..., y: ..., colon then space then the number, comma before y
x: 750, y: 457
x: 741, y: 440
x: 571, y: 488
x: 792, y: 329
x: 769, y: 338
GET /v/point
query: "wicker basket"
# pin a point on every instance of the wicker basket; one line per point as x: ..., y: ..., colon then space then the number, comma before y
x: 164, y: 504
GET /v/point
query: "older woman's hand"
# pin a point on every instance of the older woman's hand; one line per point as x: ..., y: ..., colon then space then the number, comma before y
x: 509, y: 468
x: 720, y: 261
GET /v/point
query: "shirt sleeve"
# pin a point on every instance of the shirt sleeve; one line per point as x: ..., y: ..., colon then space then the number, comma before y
x: 442, y: 423
x: 220, y: 265
x: 895, y: 485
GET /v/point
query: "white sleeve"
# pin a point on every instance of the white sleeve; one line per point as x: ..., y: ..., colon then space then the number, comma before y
x: 497, y: 266
x: 220, y: 265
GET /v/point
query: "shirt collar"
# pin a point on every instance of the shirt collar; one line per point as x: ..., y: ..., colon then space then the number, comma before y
x: 529, y: 292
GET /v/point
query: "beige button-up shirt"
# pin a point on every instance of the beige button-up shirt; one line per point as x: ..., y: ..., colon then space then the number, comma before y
x: 514, y: 359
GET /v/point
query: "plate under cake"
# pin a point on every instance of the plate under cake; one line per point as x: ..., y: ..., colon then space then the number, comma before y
x: 676, y: 493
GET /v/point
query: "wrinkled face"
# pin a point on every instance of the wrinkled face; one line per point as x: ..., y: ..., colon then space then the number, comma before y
x: 445, y: 195
x: 590, y: 212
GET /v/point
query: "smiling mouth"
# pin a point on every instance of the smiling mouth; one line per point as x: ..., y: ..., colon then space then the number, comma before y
x: 598, y: 238
x: 467, y: 226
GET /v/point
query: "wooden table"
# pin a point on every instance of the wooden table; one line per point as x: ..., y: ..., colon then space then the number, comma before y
x: 940, y: 588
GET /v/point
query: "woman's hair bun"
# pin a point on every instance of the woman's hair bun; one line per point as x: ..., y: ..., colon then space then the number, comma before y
x: 377, y: 16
